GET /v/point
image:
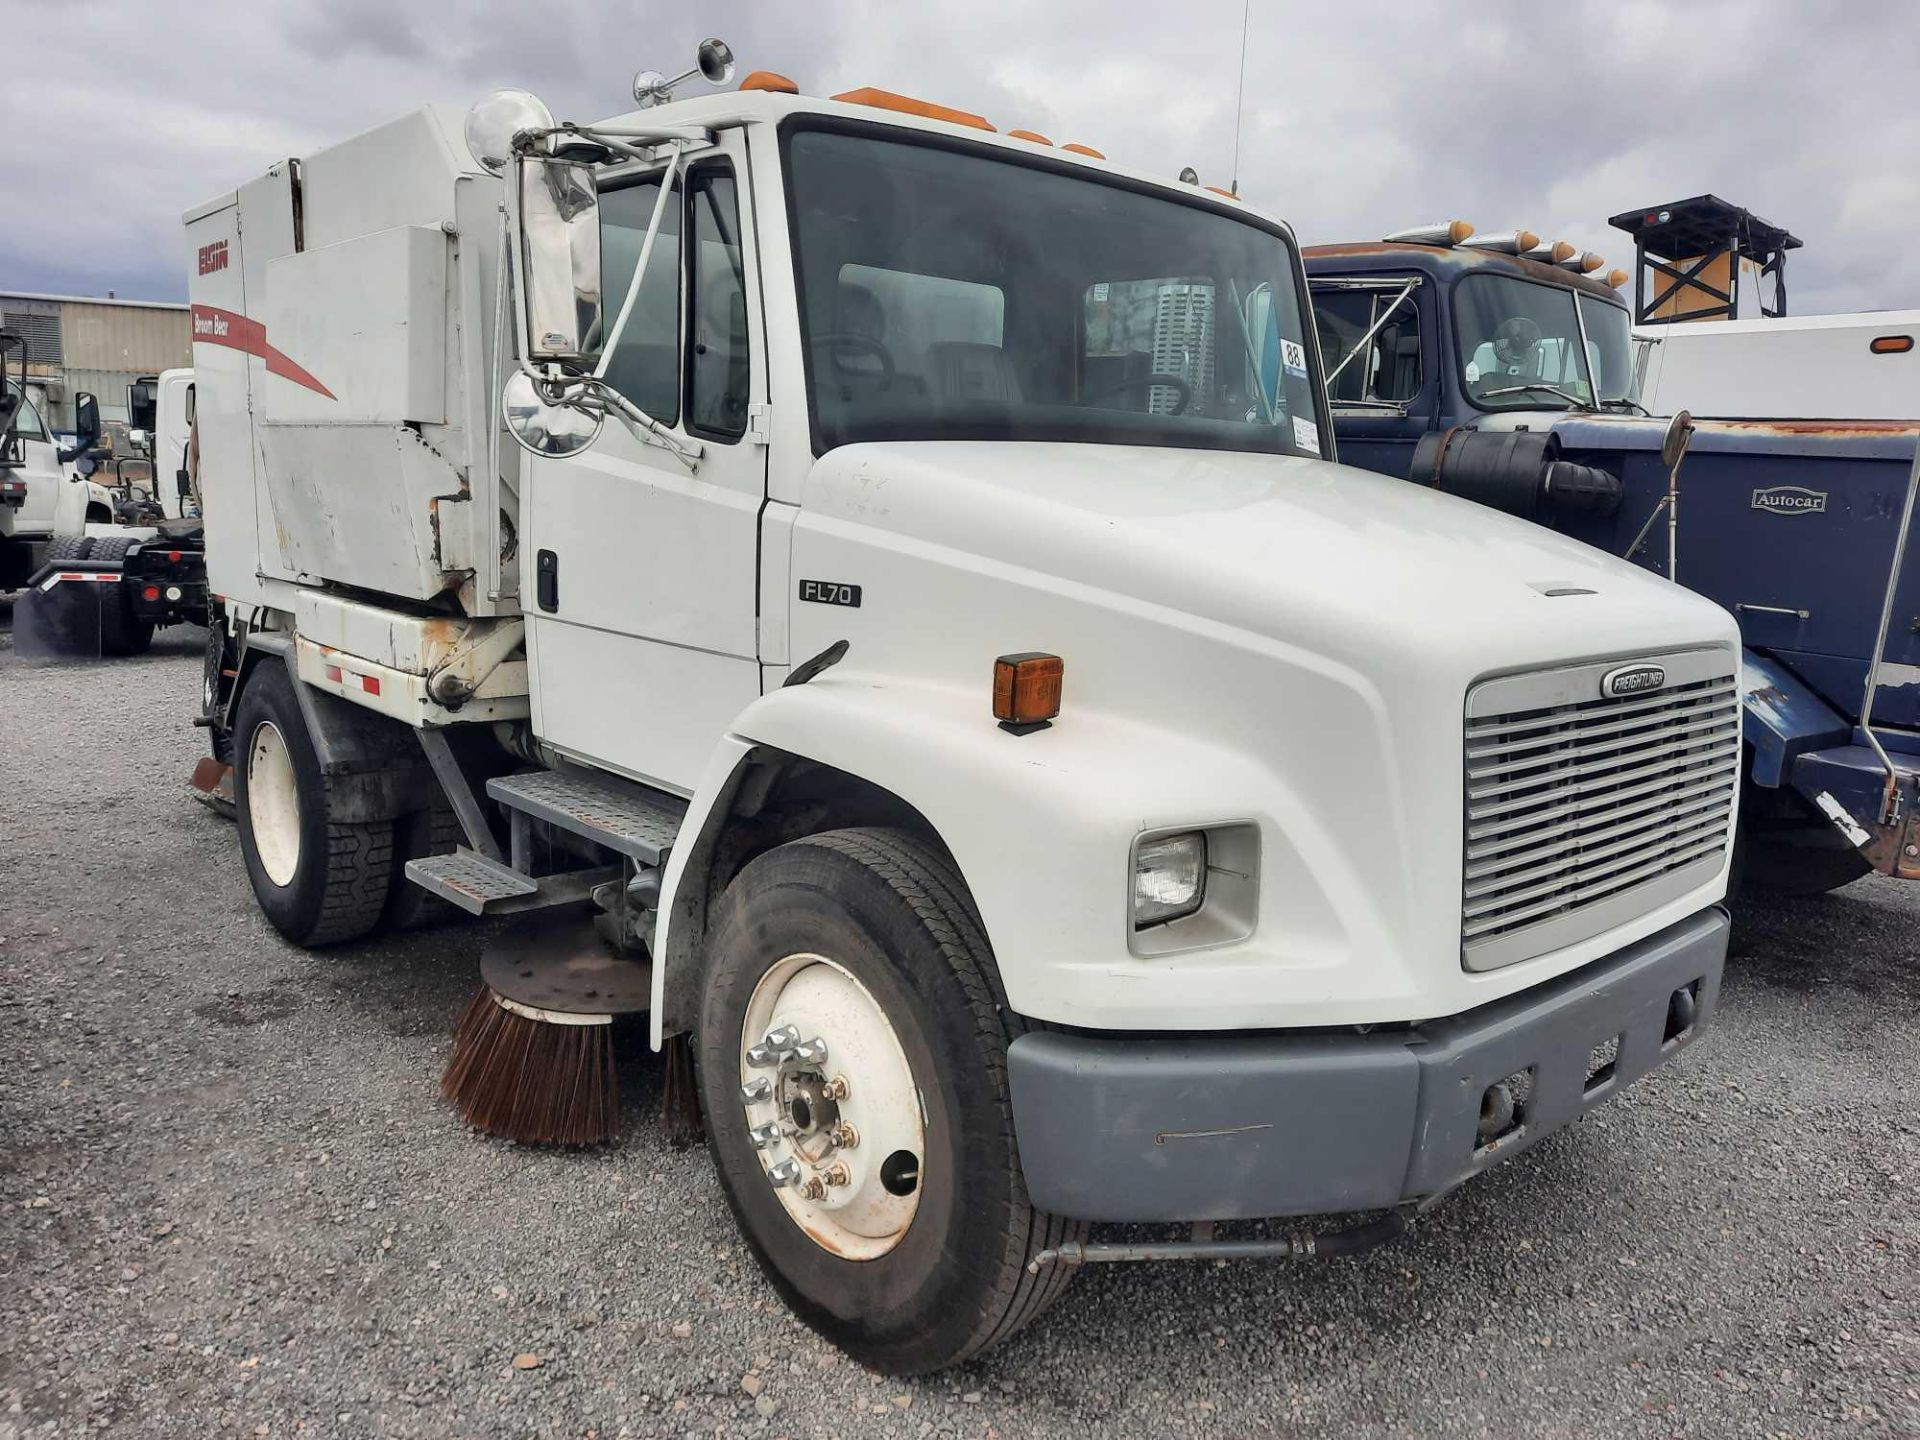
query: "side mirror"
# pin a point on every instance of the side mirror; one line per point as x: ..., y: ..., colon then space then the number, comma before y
x: 143, y: 406
x: 560, y: 260
x: 86, y: 420
x: 86, y: 434
x: 1673, y: 445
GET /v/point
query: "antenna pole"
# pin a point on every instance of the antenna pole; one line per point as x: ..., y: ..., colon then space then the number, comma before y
x: 1240, y: 98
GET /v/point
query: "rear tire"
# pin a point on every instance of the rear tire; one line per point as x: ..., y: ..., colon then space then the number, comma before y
x: 69, y: 547
x: 320, y: 881
x: 891, y: 921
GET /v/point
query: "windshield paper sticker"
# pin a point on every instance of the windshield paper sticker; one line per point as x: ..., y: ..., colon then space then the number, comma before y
x: 1306, y: 434
x: 1293, y: 356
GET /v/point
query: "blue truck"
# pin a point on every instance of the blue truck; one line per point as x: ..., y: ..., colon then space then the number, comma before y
x: 1502, y: 369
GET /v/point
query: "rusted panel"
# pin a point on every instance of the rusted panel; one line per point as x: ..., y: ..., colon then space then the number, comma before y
x: 1829, y: 429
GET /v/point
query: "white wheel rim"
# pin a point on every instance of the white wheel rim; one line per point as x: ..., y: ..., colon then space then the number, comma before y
x: 273, y: 803
x: 832, y: 1106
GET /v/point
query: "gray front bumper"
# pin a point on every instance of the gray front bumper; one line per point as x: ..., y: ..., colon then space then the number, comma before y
x: 1235, y: 1127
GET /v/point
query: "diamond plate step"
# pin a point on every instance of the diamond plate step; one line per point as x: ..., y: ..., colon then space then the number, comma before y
x: 624, y: 817
x: 470, y: 880
x: 485, y: 887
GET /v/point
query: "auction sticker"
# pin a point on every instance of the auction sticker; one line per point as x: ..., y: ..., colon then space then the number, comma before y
x: 1306, y: 434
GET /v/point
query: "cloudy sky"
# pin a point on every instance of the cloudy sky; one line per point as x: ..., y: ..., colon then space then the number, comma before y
x: 1554, y: 114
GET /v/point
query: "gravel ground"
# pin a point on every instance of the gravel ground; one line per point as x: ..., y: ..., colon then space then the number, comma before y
x: 231, y: 1203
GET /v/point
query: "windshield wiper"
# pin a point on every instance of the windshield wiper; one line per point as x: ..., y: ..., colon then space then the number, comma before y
x: 1574, y: 400
x: 1632, y: 407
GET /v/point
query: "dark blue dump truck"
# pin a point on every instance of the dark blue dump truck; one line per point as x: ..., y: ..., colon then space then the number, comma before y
x: 1501, y: 370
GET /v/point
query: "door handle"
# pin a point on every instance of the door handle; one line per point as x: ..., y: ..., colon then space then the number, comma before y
x: 546, y: 584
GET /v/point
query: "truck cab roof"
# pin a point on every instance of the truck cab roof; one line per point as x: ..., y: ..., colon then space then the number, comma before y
x: 1446, y: 262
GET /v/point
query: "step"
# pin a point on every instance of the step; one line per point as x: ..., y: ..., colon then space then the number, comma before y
x: 625, y: 817
x: 481, y: 886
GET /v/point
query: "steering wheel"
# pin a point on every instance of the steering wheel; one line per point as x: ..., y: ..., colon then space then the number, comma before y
x: 837, y: 341
x: 1515, y: 339
x: 1172, y: 382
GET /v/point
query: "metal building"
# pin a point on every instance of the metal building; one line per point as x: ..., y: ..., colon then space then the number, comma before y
x: 77, y: 343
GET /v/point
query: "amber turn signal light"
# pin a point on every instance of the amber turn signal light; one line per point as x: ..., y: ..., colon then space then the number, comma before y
x: 1026, y: 690
x: 1891, y: 344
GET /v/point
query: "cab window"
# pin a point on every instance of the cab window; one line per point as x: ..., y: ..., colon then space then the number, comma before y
x: 27, y: 424
x: 1389, y: 373
x: 646, y: 363
x: 719, y: 372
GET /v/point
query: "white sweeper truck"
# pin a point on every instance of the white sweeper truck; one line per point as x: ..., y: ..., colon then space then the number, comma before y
x: 876, y: 594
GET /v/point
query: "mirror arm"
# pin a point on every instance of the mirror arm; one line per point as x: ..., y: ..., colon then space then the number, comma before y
x: 657, y: 134
x: 687, y: 452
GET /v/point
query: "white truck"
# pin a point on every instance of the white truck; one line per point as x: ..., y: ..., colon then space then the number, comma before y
x: 923, y: 611
x: 1862, y: 366
x: 38, y: 501
x: 115, y: 561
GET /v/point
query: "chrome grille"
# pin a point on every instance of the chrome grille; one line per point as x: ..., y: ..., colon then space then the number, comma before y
x: 1584, y: 811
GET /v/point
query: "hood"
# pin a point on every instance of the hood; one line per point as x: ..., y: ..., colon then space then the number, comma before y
x: 1291, y: 549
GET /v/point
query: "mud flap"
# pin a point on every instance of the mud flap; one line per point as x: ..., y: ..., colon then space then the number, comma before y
x: 56, y: 620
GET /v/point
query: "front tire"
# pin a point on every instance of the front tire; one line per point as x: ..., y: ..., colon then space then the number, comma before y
x: 865, y: 940
x: 320, y: 881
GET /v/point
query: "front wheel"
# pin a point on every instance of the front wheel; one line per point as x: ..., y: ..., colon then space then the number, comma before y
x: 853, y: 1047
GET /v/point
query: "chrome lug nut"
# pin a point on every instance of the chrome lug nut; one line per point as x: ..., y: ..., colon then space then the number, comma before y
x: 782, y: 1040
x: 811, y: 1052
x: 760, y: 1056
x: 756, y: 1089
x: 786, y: 1173
x: 764, y: 1135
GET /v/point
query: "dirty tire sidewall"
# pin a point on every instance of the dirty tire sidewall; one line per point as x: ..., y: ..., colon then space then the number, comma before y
x: 892, y: 912
x: 339, y: 885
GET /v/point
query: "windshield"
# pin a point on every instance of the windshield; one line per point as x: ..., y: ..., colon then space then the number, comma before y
x: 1515, y: 335
x: 951, y: 295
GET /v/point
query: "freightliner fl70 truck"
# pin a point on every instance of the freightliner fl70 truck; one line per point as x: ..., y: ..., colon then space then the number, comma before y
x: 908, y: 587
x: 1459, y: 363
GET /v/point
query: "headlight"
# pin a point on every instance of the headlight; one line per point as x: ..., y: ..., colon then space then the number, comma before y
x: 1169, y: 878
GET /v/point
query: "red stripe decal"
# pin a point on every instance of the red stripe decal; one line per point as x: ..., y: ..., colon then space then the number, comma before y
x: 213, y: 326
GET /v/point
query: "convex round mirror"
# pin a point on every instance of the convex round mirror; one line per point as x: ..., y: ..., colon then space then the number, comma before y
x: 492, y: 124
x: 541, y: 427
x: 1679, y: 435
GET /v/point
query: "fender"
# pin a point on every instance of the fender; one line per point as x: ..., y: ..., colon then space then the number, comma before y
x: 1783, y: 719
x: 1041, y: 827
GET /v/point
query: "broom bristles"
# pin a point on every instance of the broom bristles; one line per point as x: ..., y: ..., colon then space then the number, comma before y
x: 531, y: 1081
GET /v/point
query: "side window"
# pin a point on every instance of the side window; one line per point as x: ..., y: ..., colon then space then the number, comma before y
x: 719, y: 375
x: 646, y: 363
x: 1389, y: 372
x: 27, y: 422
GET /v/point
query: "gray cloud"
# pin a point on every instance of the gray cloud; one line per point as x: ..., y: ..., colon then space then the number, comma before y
x: 1357, y: 120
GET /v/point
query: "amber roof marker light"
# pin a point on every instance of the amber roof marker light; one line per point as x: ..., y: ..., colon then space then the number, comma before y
x: 1026, y: 691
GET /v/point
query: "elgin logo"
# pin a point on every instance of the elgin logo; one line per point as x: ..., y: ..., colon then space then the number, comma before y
x: 213, y: 257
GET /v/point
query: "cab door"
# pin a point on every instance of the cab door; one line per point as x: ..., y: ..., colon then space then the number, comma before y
x: 640, y: 590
